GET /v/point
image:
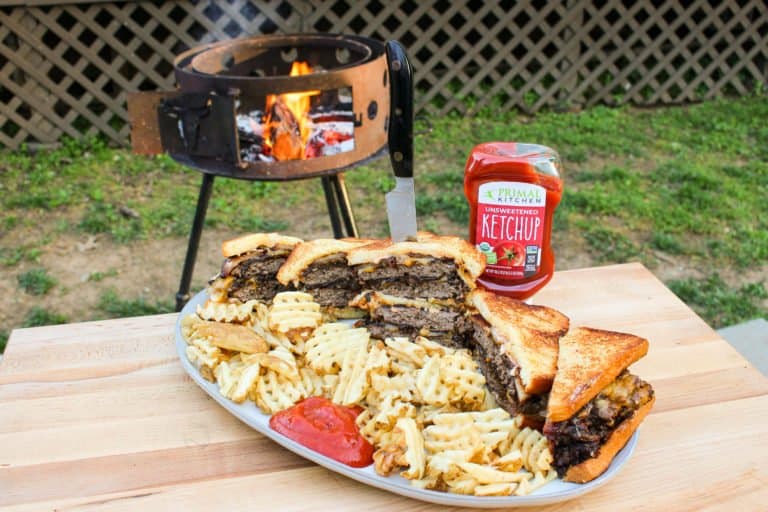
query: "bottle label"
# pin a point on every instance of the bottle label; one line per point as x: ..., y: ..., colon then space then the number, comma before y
x: 510, y: 227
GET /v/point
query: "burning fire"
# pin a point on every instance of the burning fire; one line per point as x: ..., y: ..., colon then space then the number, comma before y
x: 287, y: 125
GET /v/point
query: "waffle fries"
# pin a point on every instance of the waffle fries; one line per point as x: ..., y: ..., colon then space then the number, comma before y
x: 425, y: 406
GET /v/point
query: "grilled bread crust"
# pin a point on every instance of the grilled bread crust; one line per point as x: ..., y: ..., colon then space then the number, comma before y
x: 245, y: 243
x: 594, y: 467
x: 305, y: 253
x: 528, y: 334
x: 589, y: 360
x: 469, y: 261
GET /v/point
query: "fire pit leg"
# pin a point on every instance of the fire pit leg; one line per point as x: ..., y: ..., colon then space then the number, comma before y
x: 344, y: 205
x: 333, y: 208
x: 194, y: 240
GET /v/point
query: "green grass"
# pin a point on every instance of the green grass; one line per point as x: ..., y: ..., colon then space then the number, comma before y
x: 113, y: 306
x: 39, y: 316
x: 36, y: 281
x: 718, y: 303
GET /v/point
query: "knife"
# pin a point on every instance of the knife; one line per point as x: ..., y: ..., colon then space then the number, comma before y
x: 401, y: 201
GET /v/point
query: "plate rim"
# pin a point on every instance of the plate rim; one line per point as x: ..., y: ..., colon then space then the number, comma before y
x: 248, y: 413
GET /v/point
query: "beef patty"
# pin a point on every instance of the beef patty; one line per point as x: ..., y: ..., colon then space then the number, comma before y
x: 254, y: 275
x: 580, y: 437
x: 437, y: 279
x: 330, y: 281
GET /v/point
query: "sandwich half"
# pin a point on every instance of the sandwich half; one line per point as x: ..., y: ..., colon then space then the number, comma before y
x: 595, y: 404
x: 516, y: 347
x: 249, y: 271
x: 319, y: 267
x: 416, y: 287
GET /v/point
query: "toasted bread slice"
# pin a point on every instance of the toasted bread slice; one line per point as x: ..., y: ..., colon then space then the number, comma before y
x: 528, y: 334
x: 469, y: 261
x: 245, y: 243
x: 594, y: 467
x: 589, y: 360
x: 306, y: 253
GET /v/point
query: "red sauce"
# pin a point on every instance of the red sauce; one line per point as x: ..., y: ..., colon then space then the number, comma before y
x: 326, y: 428
x: 513, y: 190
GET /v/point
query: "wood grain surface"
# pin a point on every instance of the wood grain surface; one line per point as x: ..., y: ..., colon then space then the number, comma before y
x: 101, y: 416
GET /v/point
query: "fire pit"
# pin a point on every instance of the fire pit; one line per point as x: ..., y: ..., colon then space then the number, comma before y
x: 272, y: 108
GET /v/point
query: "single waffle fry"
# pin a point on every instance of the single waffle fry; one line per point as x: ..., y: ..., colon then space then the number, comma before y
x: 386, y: 460
x: 497, y: 489
x: 281, y: 361
x: 534, y: 447
x: 226, y: 312
x: 312, y: 382
x: 496, y: 428
x: 415, y: 456
x: 188, y: 324
x: 432, y: 389
x: 452, y: 432
x: 274, y: 340
x: 512, y: 461
x: 462, y: 485
x: 326, y: 349
x: 294, y: 314
x: 465, y: 383
x: 446, y: 464
x: 205, y: 357
x: 275, y: 393
x: 353, y: 380
x: 405, y: 351
x: 233, y: 337
x: 539, y: 480
x: 402, y: 386
x: 488, y: 475
x: 391, y: 410
x: 227, y: 374
x: 377, y: 362
x: 245, y: 381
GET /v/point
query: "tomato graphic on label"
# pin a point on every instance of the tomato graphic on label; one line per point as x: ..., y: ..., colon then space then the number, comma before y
x: 510, y: 254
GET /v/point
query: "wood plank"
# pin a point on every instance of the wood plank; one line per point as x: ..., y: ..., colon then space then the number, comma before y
x: 678, y: 465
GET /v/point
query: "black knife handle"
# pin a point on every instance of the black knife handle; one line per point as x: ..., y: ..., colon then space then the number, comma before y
x: 400, y: 136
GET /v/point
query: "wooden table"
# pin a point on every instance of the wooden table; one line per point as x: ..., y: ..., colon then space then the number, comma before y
x: 100, y: 415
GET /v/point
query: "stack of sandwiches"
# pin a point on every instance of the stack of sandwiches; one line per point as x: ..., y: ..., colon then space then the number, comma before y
x: 416, y: 288
x: 573, y: 385
x: 250, y: 267
x: 320, y: 268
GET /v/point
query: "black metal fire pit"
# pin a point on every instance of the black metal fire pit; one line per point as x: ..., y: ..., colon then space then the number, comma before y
x: 271, y: 108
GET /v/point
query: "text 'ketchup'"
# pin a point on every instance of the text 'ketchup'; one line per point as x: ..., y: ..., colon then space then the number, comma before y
x: 326, y: 428
x: 513, y: 190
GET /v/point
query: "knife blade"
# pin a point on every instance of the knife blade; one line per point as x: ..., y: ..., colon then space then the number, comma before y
x: 401, y: 201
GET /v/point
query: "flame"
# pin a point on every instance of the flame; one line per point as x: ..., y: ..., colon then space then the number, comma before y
x: 292, y: 144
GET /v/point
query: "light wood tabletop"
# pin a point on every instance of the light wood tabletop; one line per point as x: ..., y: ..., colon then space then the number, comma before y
x: 101, y: 416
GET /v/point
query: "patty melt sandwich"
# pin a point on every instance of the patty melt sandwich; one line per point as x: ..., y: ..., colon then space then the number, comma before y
x: 416, y: 287
x: 516, y: 347
x: 250, y: 268
x: 319, y: 267
x: 595, y: 404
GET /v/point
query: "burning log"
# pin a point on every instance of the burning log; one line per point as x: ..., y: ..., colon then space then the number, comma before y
x: 284, y: 133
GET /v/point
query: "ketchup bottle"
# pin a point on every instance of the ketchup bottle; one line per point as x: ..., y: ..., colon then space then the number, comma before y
x: 513, y: 189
